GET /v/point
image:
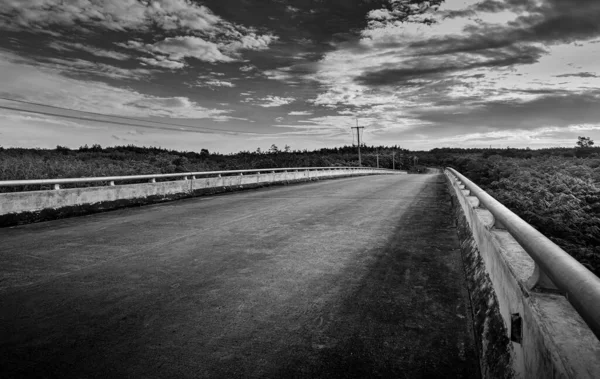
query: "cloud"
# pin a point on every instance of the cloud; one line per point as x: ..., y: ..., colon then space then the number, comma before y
x: 25, y: 80
x: 133, y: 45
x: 178, y: 48
x: 251, y: 41
x: 212, y: 83
x: 119, y: 15
x: 560, y: 109
x: 479, y: 68
x: 579, y: 75
x: 70, y: 46
x: 162, y: 62
x: 401, y: 11
x: 458, y: 72
x: 275, y: 101
x: 432, y: 66
x: 281, y: 74
x: 548, y: 21
x: 220, y: 83
x: 189, y: 30
x: 177, y: 107
x: 87, y: 68
x: 380, y: 14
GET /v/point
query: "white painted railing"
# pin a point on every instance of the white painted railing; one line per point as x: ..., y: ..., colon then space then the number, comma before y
x: 56, y: 183
x: 555, y: 268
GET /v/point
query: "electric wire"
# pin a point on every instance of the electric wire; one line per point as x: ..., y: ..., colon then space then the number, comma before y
x: 176, y: 127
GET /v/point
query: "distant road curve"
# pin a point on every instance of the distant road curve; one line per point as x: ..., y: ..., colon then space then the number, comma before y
x: 357, y: 277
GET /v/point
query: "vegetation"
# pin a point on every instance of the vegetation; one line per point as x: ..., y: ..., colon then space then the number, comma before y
x: 20, y: 164
x: 584, y: 142
x: 556, y: 190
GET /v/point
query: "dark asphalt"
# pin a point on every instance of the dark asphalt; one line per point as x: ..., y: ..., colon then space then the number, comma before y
x: 349, y: 278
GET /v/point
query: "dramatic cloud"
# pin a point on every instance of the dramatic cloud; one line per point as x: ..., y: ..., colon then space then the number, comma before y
x: 432, y: 66
x: 162, y: 62
x: 213, y: 83
x: 180, y: 47
x: 407, y: 76
x: 578, y: 75
x: 86, y: 68
x: 69, y: 46
x: 251, y: 41
x: 425, y: 73
x: 177, y: 48
x: 109, y: 14
x: 18, y: 77
x: 275, y: 101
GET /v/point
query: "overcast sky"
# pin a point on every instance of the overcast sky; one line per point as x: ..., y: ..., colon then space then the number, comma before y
x: 230, y: 75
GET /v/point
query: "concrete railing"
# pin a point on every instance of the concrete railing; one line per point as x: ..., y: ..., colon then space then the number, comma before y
x: 114, y: 191
x: 184, y: 176
x: 549, y: 302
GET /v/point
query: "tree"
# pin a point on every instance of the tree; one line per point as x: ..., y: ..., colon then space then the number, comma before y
x: 274, y: 149
x: 584, y: 142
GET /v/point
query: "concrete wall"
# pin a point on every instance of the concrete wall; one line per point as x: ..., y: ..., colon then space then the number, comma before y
x: 24, y: 207
x: 553, y: 341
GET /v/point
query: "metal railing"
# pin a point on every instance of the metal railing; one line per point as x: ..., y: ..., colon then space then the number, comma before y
x: 580, y: 286
x: 184, y: 175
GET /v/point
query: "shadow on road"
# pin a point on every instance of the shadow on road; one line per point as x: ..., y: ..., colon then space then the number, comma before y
x: 409, y: 317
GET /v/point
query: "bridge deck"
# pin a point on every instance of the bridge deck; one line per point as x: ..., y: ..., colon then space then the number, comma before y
x: 357, y: 277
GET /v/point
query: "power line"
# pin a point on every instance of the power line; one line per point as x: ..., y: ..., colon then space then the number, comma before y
x: 358, y: 128
x: 194, y: 130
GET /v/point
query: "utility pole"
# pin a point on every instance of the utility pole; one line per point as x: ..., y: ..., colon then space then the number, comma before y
x: 358, y: 128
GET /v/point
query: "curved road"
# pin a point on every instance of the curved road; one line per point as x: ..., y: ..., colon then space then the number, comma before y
x: 348, y: 278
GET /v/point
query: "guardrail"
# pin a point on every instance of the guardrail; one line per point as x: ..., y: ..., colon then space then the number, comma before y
x: 184, y: 175
x: 554, y: 266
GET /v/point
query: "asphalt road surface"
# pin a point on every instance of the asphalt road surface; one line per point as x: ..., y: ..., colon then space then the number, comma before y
x: 348, y: 278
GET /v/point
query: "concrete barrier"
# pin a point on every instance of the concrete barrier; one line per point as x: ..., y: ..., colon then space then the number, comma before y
x: 524, y: 328
x: 32, y: 206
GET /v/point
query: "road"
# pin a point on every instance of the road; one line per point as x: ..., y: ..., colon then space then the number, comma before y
x: 348, y: 278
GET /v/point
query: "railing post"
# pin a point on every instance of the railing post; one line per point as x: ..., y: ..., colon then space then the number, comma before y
x: 185, y: 178
x: 153, y: 180
x: 539, y: 280
x: 193, y: 177
x: 57, y: 186
x: 111, y: 183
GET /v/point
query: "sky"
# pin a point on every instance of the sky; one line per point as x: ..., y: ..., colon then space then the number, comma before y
x: 228, y: 75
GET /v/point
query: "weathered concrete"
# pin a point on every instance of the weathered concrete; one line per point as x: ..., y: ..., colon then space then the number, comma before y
x: 554, y: 340
x: 352, y: 278
x: 32, y: 206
